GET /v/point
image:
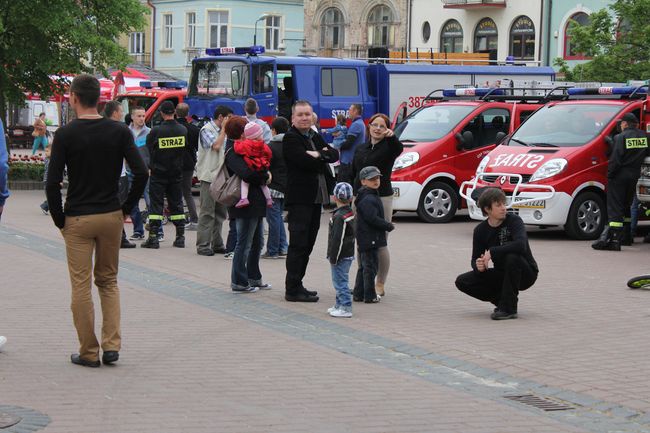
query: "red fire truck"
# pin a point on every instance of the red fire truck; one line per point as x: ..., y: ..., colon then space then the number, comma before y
x: 151, y: 95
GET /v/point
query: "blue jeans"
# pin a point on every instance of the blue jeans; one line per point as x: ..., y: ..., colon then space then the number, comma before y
x: 341, y: 281
x: 246, y: 260
x: 277, y: 241
x: 231, y: 241
x: 634, y: 214
x: 136, y: 216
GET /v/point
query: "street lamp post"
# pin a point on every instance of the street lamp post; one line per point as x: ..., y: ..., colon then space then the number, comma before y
x: 262, y: 17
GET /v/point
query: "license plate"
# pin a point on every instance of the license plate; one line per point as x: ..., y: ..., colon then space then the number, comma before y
x: 537, y: 204
x: 395, y: 192
x: 18, y: 132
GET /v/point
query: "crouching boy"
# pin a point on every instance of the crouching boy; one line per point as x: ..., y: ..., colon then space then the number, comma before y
x: 501, y: 240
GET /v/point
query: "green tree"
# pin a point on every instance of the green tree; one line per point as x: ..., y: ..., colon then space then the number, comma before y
x: 43, y: 38
x: 618, y: 43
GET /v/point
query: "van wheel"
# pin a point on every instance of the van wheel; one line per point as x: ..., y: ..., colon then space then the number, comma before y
x: 586, y: 217
x: 438, y: 203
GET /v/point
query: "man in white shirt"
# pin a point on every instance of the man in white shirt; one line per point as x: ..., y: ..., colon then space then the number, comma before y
x: 210, y: 159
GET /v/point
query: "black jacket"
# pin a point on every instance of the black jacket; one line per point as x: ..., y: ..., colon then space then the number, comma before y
x: 382, y: 155
x: 278, y: 166
x: 192, y: 145
x: 236, y: 165
x: 371, y: 226
x: 509, y: 238
x: 630, y: 148
x: 302, y: 169
x: 166, y: 143
x: 340, y: 241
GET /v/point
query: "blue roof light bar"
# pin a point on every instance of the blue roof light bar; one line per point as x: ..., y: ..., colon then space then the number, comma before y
x: 253, y: 50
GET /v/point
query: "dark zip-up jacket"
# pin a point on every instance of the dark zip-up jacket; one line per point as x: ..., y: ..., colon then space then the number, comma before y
x: 278, y: 166
x: 630, y: 148
x: 166, y: 144
x: 382, y: 155
x: 371, y: 227
x: 340, y: 241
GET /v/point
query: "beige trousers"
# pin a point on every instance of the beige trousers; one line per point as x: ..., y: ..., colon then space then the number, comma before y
x: 83, y: 235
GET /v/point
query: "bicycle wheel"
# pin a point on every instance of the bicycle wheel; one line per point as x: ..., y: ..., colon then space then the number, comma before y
x: 640, y: 282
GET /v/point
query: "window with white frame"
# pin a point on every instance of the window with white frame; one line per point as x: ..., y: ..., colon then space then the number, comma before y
x: 218, y: 25
x: 136, y: 43
x: 273, y: 32
x: 332, y: 30
x: 190, y: 24
x: 168, y: 42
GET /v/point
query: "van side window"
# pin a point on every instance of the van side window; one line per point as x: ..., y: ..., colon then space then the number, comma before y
x: 339, y: 82
x: 487, y: 125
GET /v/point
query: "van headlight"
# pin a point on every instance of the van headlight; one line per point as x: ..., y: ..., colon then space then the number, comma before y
x: 481, y: 167
x: 549, y: 168
x: 406, y: 160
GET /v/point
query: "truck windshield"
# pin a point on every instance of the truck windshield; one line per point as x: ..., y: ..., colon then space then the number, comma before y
x: 219, y: 78
x: 131, y: 101
x: 564, y: 125
x: 431, y: 123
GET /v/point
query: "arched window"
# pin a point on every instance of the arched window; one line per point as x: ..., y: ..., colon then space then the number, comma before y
x: 522, y: 39
x: 581, y: 19
x: 381, y: 27
x: 426, y: 32
x: 451, y: 37
x: 486, y: 36
x: 332, y: 32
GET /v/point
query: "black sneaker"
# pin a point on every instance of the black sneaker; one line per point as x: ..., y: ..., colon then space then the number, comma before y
x: 502, y: 315
x: 110, y: 356
x: 137, y: 237
x: 126, y: 244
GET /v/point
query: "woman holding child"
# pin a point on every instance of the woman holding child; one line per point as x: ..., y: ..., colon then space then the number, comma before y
x: 381, y: 151
x: 241, y: 159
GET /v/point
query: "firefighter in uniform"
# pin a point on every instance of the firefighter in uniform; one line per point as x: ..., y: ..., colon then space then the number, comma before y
x: 623, y: 171
x: 166, y: 144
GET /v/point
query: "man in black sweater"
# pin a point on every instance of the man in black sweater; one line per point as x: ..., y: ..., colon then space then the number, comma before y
x: 306, y: 155
x: 93, y: 149
x: 189, y: 162
x: 502, y: 240
x: 166, y: 143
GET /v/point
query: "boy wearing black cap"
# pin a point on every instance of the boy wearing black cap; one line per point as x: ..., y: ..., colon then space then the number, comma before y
x: 166, y: 143
x: 340, y: 249
x: 624, y: 168
x: 370, y: 233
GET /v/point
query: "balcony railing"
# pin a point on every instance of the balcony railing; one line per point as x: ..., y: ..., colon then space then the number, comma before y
x: 466, y: 4
x: 141, y: 58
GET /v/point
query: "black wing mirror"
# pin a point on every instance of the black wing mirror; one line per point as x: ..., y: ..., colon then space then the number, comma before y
x: 499, y: 137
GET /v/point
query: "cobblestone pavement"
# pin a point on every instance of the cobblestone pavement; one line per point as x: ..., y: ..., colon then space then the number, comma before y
x: 197, y: 358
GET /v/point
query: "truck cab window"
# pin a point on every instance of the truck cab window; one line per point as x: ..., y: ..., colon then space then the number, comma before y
x: 263, y: 78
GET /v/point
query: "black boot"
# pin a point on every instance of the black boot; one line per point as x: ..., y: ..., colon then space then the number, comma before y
x: 125, y: 242
x: 601, y: 242
x: 612, y: 241
x: 627, y: 239
x: 179, y: 242
x: 151, y: 242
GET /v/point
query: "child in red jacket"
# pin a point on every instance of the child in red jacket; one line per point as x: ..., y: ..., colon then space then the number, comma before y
x: 258, y: 158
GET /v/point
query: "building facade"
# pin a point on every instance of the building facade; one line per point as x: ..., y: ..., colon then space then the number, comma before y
x: 139, y: 43
x: 184, y: 29
x: 349, y: 28
x: 558, y: 16
x: 505, y: 29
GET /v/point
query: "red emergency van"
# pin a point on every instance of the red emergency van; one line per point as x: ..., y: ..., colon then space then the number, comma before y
x: 445, y: 141
x: 553, y: 168
x: 151, y: 95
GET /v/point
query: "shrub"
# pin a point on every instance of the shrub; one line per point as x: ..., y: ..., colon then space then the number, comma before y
x: 26, y: 171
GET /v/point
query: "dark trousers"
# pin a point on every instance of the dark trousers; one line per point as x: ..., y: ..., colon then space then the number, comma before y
x: 620, y: 194
x: 364, y: 286
x: 246, y: 260
x: 499, y: 286
x: 187, y: 195
x: 231, y: 241
x: 304, y: 222
x: 345, y: 173
x: 160, y: 186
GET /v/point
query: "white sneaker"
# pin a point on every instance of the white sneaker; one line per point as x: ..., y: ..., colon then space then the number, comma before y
x: 332, y: 308
x: 3, y: 340
x: 339, y: 312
